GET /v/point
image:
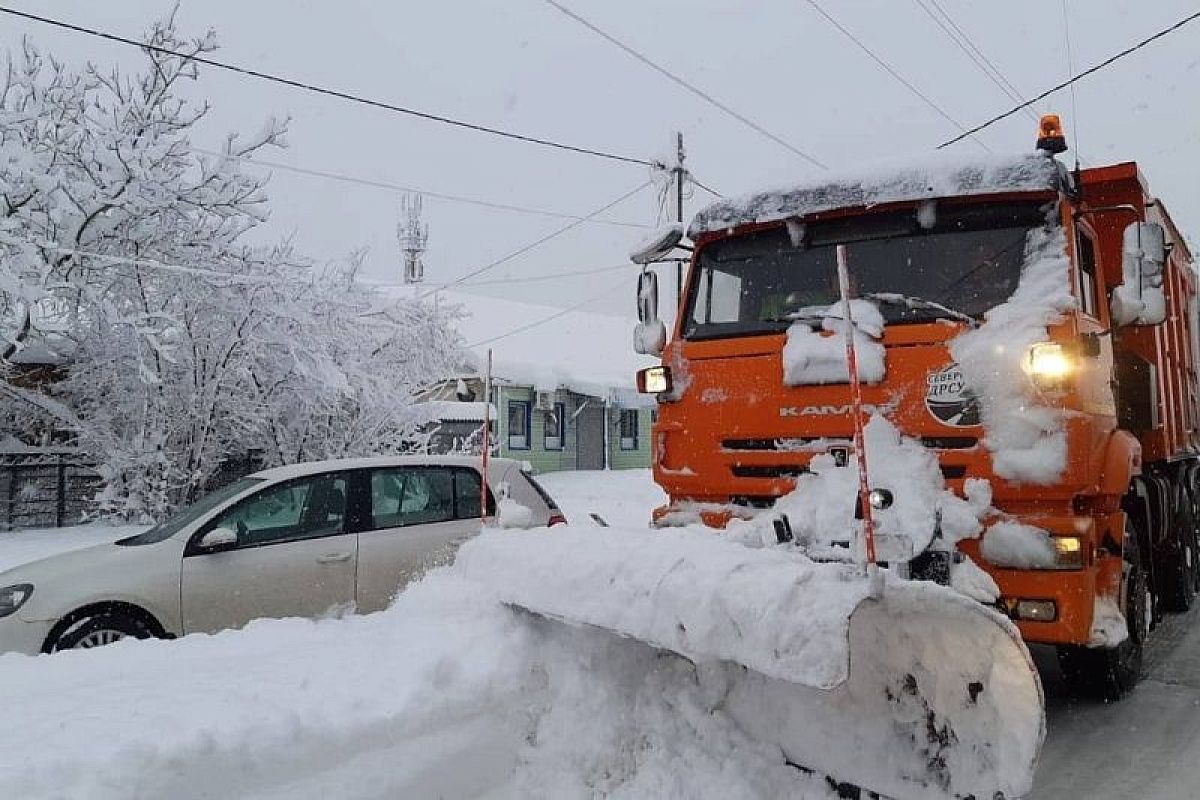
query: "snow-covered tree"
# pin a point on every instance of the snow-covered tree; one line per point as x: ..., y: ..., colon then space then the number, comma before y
x: 125, y: 251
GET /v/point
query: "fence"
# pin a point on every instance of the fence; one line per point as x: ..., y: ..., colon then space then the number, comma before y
x: 44, y: 489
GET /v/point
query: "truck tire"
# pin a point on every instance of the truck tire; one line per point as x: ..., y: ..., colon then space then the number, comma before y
x: 1111, y: 673
x: 1178, y: 565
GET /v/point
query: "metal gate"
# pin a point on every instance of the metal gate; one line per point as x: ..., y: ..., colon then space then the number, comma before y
x: 44, y: 489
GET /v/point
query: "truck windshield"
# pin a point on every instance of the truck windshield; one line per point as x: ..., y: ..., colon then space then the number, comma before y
x: 966, y: 263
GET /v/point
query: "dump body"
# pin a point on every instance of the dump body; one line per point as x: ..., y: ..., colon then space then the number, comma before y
x: 731, y: 432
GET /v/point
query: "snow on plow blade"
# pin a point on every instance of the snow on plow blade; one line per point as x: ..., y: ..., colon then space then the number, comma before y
x: 921, y: 694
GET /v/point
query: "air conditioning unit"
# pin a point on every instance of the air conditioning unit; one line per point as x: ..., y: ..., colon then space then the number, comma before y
x: 543, y: 401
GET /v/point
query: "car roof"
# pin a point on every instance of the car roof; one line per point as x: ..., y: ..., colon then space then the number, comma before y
x: 331, y: 465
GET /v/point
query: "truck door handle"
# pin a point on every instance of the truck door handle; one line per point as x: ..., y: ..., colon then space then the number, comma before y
x: 333, y: 558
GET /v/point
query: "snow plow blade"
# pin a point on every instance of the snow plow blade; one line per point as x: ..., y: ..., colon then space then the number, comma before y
x: 922, y: 693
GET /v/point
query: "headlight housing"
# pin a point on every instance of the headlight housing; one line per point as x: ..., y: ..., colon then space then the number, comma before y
x: 654, y: 380
x: 1068, y: 552
x: 13, y: 597
x: 1048, y: 365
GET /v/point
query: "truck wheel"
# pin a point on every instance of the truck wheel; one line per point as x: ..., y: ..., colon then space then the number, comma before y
x: 1179, y: 564
x: 1111, y: 673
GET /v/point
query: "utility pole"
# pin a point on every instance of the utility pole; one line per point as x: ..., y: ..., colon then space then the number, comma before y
x: 680, y: 175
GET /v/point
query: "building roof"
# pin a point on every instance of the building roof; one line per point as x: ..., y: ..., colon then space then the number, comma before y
x: 582, y: 351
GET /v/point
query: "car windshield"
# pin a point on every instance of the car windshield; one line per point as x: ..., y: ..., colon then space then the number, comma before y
x: 185, y: 516
x: 965, y: 263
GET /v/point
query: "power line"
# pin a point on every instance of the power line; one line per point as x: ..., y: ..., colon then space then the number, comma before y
x: 549, y: 276
x: 375, y: 184
x: 1073, y: 79
x: 550, y: 318
x: 713, y: 192
x: 1015, y: 92
x: 891, y: 71
x: 686, y: 85
x: 136, y: 262
x: 309, y: 87
x: 526, y: 248
x: 1071, y: 68
x: 968, y: 47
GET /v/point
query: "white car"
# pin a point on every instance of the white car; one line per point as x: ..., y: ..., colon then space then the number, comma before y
x: 303, y: 540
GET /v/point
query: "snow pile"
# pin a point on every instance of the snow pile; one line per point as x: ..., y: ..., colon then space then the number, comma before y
x: 446, y: 694
x: 939, y: 177
x: 1016, y: 545
x: 510, y: 513
x: 624, y: 498
x: 821, y: 508
x: 810, y: 357
x: 1109, y: 627
x: 1027, y: 440
x: 686, y: 590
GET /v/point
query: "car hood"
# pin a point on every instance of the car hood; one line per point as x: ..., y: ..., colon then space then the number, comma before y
x: 66, y: 581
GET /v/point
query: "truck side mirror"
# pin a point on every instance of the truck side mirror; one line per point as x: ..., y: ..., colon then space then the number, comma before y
x: 650, y: 335
x: 1140, y: 299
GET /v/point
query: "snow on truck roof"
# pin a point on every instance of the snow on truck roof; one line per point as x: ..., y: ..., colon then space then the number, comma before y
x: 943, y: 177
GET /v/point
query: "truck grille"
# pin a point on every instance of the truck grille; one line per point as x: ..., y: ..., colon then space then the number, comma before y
x: 799, y: 443
x: 768, y: 470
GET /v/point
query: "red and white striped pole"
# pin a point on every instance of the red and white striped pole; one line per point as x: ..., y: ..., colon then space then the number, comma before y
x: 487, y: 436
x: 864, y: 485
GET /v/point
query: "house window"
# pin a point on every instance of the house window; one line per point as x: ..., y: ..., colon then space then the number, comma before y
x: 518, y: 424
x: 555, y: 427
x: 629, y: 429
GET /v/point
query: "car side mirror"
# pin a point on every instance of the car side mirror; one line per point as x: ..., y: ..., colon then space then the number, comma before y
x: 650, y: 335
x: 1140, y: 299
x: 219, y: 539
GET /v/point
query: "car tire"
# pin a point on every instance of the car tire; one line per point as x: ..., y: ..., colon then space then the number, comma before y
x: 97, y: 630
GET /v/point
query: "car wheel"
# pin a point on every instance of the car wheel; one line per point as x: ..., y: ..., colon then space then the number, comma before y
x: 97, y: 630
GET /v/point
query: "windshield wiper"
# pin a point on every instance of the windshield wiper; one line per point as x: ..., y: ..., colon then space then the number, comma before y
x: 894, y: 299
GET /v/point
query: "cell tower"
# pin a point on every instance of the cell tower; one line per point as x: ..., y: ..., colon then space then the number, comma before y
x: 412, y: 235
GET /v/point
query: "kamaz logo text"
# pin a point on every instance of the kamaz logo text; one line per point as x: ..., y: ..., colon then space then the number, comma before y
x: 829, y: 411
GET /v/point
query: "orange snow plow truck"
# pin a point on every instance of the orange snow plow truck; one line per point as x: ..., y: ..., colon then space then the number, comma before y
x: 1032, y: 327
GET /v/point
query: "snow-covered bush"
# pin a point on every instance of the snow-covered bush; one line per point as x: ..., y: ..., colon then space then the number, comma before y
x: 124, y: 253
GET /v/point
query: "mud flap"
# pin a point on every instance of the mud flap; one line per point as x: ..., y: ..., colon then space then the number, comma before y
x: 922, y: 693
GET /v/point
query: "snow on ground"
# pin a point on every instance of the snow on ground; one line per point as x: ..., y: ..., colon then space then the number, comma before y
x: 24, y: 545
x: 623, y: 498
x: 445, y: 694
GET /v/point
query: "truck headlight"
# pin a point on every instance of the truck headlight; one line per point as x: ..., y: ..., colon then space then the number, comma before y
x: 13, y: 597
x: 1048, y: 365
x: 1068, y: 552
x: 654, y: 380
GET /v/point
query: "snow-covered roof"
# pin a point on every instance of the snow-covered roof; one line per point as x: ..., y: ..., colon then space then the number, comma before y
x: 456, y: 411
x: 583, y: 351
x: 942, y: 177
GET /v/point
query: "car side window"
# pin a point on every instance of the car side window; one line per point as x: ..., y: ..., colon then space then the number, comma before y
x: 411, y: 496
x: 307, y: 508
x: 466, y: 494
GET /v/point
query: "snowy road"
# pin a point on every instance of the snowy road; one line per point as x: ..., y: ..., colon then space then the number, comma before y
x: 1147, y: 746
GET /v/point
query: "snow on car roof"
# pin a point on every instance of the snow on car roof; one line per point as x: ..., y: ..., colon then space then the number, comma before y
x: 942, y: 177
x: 316, y: 467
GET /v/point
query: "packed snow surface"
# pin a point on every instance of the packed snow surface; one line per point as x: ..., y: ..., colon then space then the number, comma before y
x: 940, y: 177
x: 810, y: 357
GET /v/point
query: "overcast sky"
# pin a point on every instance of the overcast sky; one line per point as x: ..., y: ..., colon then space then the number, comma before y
x: 524, y: 66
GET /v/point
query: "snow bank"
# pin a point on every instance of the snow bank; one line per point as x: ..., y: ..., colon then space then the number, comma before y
x: 810, y: 357
x: 1016, y: 545
x: 446, y: 694
x: 939, y: 177
x: 1027, y: 439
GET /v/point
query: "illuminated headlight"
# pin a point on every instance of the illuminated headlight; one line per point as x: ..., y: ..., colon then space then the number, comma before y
x: 13, y: 597
x: 1068, y: 552
x: 654, y: 380
x: 1037, y: 610
x: 1048, y: 365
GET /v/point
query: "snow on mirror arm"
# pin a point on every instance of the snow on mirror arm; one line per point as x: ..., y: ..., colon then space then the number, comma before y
x: 189, y: 514
x: 966, y: 263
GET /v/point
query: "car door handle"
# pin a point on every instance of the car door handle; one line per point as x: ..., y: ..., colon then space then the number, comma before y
x: 333, y: 558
